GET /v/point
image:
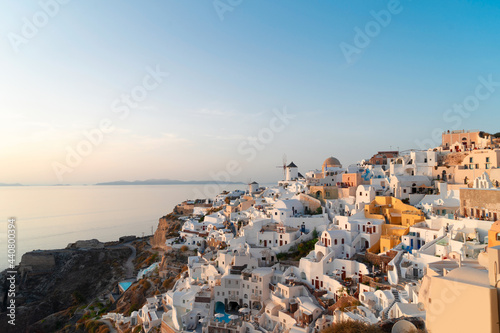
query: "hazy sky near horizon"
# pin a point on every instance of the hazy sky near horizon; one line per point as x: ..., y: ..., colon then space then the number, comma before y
x: 231, y: 65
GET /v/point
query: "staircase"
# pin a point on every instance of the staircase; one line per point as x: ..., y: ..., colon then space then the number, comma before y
x: 398, y: 267
x: 356, y: 240
x: 395, y: 292
x: 404, y: 296
x: 397, y: 299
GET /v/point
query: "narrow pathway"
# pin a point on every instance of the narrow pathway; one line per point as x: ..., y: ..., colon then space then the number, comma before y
x: 129, y: 265
x: 112, y: 329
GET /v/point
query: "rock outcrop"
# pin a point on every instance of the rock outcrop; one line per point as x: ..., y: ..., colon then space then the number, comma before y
x: 168, y: 227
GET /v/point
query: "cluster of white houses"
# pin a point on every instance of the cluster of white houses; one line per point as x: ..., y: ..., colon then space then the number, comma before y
x: 405, y: 234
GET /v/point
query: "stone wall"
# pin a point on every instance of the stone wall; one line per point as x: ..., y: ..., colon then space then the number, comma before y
x: 86, y: 244
x: 482, y: 201
x: 37, y: 262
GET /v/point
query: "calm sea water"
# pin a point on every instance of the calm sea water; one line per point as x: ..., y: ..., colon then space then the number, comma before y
x: 51, y: 217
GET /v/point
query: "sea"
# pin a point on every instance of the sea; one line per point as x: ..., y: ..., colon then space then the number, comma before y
x: 51, y: 217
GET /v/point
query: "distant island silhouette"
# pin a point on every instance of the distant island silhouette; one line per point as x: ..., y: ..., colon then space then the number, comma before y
x: 166, y: 182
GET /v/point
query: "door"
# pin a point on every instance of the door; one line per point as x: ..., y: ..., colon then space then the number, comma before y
x: 265, y: 243
x: 281, y: 242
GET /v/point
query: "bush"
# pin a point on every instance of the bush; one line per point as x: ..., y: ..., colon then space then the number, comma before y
x: 315, y: 233
x: 351, y: 326
x: 184, y: 248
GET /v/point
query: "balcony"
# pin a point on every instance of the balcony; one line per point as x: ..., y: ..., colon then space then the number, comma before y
x: 255, y: 298
x: 233, y: 297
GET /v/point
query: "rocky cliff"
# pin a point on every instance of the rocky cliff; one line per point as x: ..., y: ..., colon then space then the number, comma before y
x: 168, y: 227
x: 52, y: 281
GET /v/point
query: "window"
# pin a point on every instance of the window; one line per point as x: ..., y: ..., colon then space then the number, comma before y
x: 335, y: 242
x: 342, y: 241
x: 470, y: 160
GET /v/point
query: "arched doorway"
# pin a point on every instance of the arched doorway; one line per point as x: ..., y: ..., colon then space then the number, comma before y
x: 233, y: 306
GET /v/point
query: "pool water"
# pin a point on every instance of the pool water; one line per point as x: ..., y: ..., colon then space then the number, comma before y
x: 125, y: 285
x: 219, y: 308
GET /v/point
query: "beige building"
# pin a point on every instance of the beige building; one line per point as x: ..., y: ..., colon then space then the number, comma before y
x: 459, y: 298
x: 463, y: 168
x: 463, y: 140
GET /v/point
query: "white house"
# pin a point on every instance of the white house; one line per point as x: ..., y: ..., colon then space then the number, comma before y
x: 286, y: 208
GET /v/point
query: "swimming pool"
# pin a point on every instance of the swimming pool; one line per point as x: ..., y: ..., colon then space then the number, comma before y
x: 125, y: 285
x: 219, y: 308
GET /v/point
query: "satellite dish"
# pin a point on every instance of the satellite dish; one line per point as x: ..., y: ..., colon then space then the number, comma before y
x: 403, y: 326
x: 421, y: 306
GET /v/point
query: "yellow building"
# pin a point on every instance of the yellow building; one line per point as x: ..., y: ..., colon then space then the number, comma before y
x: 394, y: 211
x: 494, y: 234
x: 399, y: 217
x: 324, y: 192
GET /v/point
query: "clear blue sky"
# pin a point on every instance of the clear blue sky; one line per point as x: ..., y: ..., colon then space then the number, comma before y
x: 225, y: 79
